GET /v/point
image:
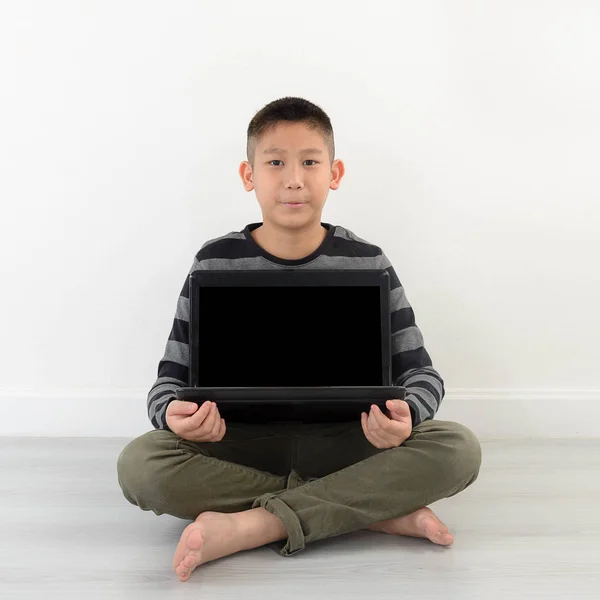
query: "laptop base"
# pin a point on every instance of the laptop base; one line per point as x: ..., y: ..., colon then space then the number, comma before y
x: 327, y: 404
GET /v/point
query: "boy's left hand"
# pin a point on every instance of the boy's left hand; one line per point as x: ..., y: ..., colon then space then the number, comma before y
x: 387, y: 432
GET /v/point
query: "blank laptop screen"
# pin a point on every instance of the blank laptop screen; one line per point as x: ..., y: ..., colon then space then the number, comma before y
x: 289, y: 336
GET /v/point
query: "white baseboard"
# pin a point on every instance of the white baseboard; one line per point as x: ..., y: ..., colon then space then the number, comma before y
x: 490, y: 413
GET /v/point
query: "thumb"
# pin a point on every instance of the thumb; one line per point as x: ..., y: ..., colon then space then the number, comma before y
x: 398, y: 407
x: 393, y: 404
x: 182, y: 407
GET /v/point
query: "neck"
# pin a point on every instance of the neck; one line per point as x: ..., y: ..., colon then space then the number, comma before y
x: 289, y: 244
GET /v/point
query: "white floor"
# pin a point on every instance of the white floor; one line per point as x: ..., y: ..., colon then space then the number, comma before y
x: 528, y: 528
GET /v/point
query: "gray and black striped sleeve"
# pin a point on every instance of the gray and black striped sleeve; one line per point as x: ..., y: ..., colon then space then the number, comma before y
x: 411, y: 364
x: 173, y: 368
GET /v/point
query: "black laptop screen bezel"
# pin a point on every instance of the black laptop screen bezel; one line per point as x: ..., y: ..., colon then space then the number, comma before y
x: 291, y: 277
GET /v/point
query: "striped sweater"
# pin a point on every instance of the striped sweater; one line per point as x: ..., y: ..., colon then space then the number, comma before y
x: 341, y: 249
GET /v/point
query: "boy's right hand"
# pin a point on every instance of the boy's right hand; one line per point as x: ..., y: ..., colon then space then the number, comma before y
x: 195, y: 424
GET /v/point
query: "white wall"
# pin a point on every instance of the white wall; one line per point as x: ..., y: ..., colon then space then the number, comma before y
x: 470, y: 133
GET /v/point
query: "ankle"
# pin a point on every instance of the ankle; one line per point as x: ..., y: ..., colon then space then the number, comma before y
x: 258, y: 527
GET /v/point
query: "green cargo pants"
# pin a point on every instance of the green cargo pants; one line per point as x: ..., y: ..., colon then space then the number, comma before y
x: 321, y: 480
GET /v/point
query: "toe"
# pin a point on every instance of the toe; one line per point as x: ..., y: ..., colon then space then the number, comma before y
x: 441, y: 527
x: 434, y: 531
x: 195, y: 539
x: 447, y: 539
x: 440, y: 537
x: 182, y: 548
x: 190, y: 560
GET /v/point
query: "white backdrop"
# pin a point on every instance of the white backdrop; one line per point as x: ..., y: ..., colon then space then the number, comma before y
x: 469, y: 131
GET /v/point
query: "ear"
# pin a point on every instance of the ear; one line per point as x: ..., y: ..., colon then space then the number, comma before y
x: 245, y: 171
x: 337, y: 172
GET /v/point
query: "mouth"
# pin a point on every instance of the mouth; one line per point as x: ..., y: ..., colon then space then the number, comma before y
x: 293, y: 204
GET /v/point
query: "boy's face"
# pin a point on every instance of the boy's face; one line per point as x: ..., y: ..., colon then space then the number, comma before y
x: 291, y: 174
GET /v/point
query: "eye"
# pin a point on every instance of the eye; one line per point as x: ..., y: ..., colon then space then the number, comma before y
x: 308, y: 160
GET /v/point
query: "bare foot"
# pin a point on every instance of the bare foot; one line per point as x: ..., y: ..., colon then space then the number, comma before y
x: 212, y: 535
x: 215, y: 535
x: 422, y: 523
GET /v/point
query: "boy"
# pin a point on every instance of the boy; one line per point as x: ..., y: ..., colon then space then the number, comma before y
x: 289, y: 484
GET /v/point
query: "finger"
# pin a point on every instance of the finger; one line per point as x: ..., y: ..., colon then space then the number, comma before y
x: 379, y: 418
x: 365, y: 426
x: 371, y: 422
x: 376, y: 431
x: 363, y: 421
x: 376, y: 425
x: 213, y: 418
x: 393, y: 432
x: 389, y: 431
x: 217, y: 426
x: 206, y: 427
x: 387, y: 427
x: 192, y: 423
x: 222, y: 431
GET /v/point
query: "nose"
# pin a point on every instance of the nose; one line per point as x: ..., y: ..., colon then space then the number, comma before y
x: 294, y: 177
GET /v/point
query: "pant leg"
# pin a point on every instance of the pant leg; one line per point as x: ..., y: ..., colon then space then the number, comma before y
x: 352, y: 484
x: 161, y: 472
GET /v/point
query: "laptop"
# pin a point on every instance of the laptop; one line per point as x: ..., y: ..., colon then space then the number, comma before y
x: 293, y: 345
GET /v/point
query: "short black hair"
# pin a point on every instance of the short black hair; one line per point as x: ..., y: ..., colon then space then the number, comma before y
x: 289, y: 109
